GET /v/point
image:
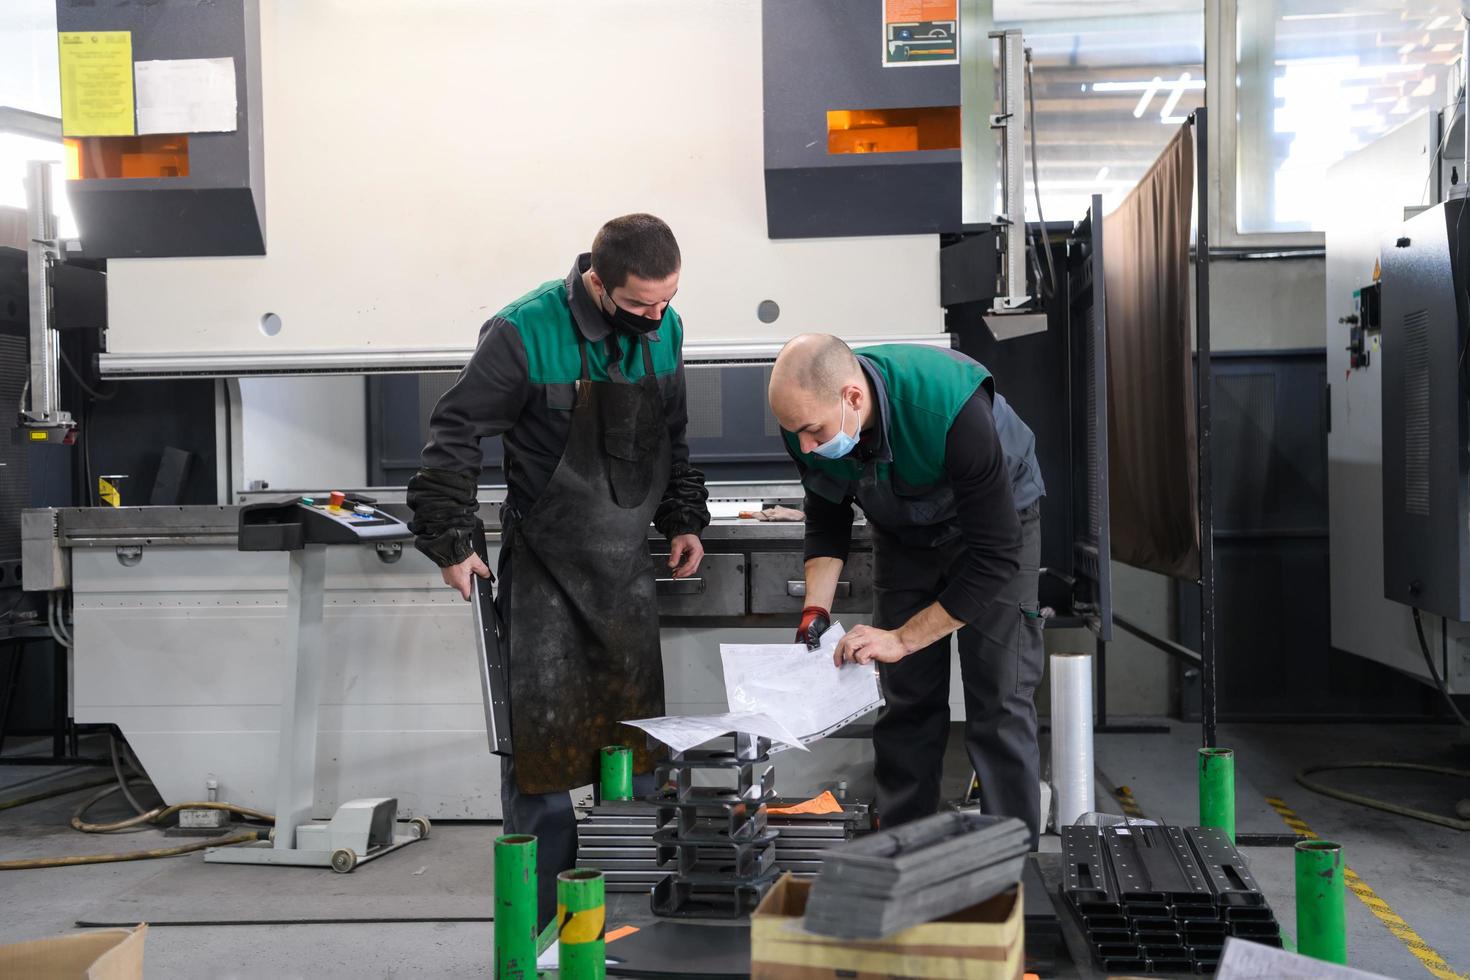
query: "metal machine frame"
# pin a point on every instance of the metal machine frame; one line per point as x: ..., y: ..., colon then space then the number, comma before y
x: 493, y: 657
x: 43, y: 420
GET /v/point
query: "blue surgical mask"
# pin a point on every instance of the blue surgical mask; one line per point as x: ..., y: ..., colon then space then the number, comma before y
x: 840, y: 444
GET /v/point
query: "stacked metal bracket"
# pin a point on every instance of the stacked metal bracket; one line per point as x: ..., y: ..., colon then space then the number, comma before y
x: 714, y: 841
x: 617, y: 839
x: 1161, y: 899
x: 921, y: 871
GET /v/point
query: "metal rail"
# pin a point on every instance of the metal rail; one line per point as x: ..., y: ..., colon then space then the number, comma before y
x: 228, y: 364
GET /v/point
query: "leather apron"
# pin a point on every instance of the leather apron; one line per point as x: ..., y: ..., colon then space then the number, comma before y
x: 584, y: 640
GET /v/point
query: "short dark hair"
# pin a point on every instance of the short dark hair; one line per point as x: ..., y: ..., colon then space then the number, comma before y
x: 635, y: 244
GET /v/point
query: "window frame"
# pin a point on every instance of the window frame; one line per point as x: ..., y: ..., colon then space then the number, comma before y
x: 1221, y: 70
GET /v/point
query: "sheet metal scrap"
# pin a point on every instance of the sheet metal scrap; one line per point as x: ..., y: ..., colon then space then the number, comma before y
x: 921, y: 871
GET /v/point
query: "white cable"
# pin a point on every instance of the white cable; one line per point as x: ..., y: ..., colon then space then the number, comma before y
x: 61, y: 612
x: 51, y: 602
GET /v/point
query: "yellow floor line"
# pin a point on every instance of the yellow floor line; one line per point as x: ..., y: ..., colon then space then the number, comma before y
x: 1426, y: 954
x: 1130, y: 806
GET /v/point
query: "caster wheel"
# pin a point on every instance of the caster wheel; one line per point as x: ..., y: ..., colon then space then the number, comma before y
x: 420, y: 826
x: 344, y: 859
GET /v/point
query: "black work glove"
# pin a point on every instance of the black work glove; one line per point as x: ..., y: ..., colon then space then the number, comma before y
x: 814, y: 622
x: 444, y: 514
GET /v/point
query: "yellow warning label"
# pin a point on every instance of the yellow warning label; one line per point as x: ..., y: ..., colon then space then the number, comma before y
x: 108, y: 492
x: 96, y: 83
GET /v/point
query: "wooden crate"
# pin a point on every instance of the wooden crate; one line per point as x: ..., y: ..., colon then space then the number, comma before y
x: 984, y: 942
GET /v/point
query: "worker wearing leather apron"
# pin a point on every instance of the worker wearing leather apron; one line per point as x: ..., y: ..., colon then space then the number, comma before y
x: 946, y: 475
x: 583, y: 378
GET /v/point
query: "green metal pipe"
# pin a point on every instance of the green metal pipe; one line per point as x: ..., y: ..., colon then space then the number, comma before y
x: 1321, y: 918
x: 1217, y: 790
x: 515, y: 907
x: 617, y: 773
x: 581, y: 925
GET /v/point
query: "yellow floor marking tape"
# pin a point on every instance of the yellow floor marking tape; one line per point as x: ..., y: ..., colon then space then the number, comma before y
x: 1426, y: 954
x: 1130, y: 806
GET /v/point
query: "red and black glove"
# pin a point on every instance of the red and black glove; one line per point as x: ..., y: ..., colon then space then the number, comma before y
x: 814, y: 622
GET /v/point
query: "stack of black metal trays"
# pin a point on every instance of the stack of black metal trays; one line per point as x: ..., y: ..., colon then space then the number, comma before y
x: 617, y: 839
x: 712, y: 838
x: 1161, y: 899
x: 922, y: 871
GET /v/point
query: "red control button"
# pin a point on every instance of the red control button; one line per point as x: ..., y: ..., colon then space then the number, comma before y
x: 338, y: 498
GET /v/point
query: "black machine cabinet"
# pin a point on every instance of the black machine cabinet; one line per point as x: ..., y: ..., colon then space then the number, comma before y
x: 215, y: 207
x: 1056, y: 380
x: 1426, y: 463
x: 820, y: 56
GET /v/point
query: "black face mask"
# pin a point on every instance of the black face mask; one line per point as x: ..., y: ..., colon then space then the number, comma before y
x: 632, y: 322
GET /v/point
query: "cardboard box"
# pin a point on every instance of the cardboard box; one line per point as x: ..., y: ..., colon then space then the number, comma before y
x: 105, y: 954
x: 984, y: 942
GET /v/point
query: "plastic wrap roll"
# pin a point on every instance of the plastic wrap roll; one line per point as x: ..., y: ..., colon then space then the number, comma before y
x: 1071, y: 735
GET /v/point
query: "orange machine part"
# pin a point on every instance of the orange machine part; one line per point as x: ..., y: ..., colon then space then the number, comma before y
x: 127, y: 157
x: 893, y: 130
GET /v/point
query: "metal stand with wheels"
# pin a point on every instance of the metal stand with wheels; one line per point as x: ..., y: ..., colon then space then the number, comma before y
x: 360, y: 830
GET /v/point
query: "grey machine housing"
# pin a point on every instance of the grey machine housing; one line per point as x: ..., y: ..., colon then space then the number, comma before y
x: 1426, y: 463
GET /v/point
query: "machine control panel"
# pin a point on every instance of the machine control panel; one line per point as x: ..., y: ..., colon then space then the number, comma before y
x: 327, y: 518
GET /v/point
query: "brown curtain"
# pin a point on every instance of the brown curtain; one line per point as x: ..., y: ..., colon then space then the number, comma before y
x: 1152, y: 469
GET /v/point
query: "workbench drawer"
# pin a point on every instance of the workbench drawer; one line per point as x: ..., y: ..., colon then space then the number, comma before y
x: 778, y: 583
x: 716, y: 589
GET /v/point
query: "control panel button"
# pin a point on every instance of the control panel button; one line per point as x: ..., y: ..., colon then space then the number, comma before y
x: 338, y: 498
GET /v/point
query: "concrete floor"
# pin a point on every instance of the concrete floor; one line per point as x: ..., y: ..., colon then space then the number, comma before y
x: 1420, y: 870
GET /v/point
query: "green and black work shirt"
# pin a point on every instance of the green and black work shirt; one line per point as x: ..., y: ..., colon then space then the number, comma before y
x: 521, y: 384
x: 948, y: 459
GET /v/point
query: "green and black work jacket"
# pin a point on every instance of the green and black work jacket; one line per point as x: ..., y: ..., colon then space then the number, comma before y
x: 521, y: 384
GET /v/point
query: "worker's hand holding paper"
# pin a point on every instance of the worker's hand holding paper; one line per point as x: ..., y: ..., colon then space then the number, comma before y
x: 799, y: 687
x: 780, y: 691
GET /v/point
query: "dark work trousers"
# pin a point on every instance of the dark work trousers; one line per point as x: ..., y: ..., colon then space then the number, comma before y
x: 547, y: 816
x: 1001, y: 659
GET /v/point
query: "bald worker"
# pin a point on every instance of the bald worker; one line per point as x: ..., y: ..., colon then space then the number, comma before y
x: 946, y: 475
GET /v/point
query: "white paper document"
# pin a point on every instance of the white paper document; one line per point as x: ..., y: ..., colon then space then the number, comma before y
x: 190, y: 95
x: 683, y: 732
x: 799, y: 687
x: 550, y: 958
x: 1244, y: 960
